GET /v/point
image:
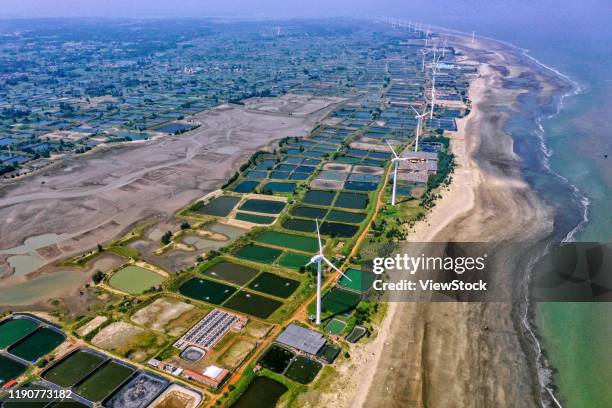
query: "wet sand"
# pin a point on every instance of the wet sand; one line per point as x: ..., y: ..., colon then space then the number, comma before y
x: 461, y: 354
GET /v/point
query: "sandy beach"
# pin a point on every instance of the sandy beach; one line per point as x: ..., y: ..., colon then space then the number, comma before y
x: 460, y: 354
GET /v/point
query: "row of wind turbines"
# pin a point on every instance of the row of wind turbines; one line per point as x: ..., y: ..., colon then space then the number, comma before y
x: 319, y: 259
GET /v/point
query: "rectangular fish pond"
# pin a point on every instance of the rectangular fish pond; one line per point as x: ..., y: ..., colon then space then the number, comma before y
x: 335, y: 326
x: 10, y: 369
x: 41, y: 342
x: 274, y: 285
x: 360, y: 281
x: 338, y: 301
x: 250, y: 303
x: 335, y: 229
x: 14, y: 329
x: 258, y: 253
x: 300, y: 225
x: 279, y: 187
x: 303, y: 370
x: 276, y: 359
x: 74, y: 368
x: 319, y: 197
x: 246, y: 186
x: 354, y: 201
x: 346, y: 216
x: 138, y: 393
x: 219, y: 206
x: 293, y: 260
x: 206, y: 290
x: 263, y: 206
x: 254, y: 218
x: 291, y: 241
x: 134, y: 279
x: 263, y: 392
x: 101, y: 384
x: 231, y: 272
x: 308, y: 212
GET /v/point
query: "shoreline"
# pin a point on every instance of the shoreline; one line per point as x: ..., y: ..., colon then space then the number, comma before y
x: 458, y: 200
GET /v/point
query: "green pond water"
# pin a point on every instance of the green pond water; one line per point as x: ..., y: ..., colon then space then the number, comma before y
x: 37, y: 344
x: 231, y: 272
x: 345, y: 216
x: 106, y: 379
x: 15, y: 329
x: 10, y: 369
x: 134, y: 279
x: 319, y: 197
x: 303, y: 370
x: 73, y: 368
x: 293, y: 260
x: 352, y: 200
x: 263, y: 392
x: 258, y: 253
x: 274, y: 285
x: 250, y: 303
x: 263, y: 206
x: 282, y: 239
x: 220, y: 206
x: 206, y: 290
x: 309, y: 212
x: 301, y: 225
x: 254, y: 218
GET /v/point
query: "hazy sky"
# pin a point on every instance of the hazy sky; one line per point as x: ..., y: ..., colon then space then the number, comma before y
x: 483, y: 14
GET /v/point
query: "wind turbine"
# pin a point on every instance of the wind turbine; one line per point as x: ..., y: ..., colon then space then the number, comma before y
x: 419, y: 118
x: 318, y: 258
x: 395, y: 160
x: 424, y: 51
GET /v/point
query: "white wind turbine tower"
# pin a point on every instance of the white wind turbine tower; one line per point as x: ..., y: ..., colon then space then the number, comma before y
x: 318, y: 258
x: 434, y: 70
x: 419, y: 118
x: 424, y: 51
x: 395, y: 160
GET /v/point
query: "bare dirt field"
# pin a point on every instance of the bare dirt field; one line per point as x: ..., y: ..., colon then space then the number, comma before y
x: 162, y: 312
x: 91, y: 325
x: 96, y: 197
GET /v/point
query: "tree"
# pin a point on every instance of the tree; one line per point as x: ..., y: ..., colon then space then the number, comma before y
x: 97, y: 277
x: 166, y: 238
x: 185, y: 225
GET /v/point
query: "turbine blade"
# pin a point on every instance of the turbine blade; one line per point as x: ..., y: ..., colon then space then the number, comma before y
x: 336, y: 269
x: 415, y: 111
x: 319, y: 236
x: 392, y: 149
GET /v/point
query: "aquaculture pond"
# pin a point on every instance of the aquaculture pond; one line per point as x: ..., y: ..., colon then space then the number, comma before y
x: 293, y: 260
x: 6, y: 402
x: 339, y: 301
x: 42, y: 341
x: 134, y: 279
x: 335, y: 229
x: 206, y: 290
x: 231, y: 272
x: 301, y: 225
x: 174, y: 128
x: 14, y: 329
x: 258, y: 253
x: 357, y: 333
x: 137, y: 393
x: 220, y: 206
x: 263, y: 206
x: 308, y: 212
x: 282, y: 239
x: 345, y: 216
x: 360, y: 186
x: 279, y: 187
x: 250, y: 303
x: 276, y: 359
x: 254, y: 218
x: 10, y: 369
x: 359, y: 280
x: 319, y: 197
x: 263, y: 392
x: 104, y: 381
x: 246, y: 186
x: 74, y: 368
x: 352, y: 200
x: 335, y: 326
x: 274, y: 285
x: 303, y: 370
